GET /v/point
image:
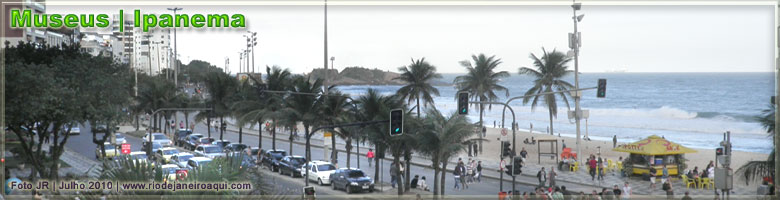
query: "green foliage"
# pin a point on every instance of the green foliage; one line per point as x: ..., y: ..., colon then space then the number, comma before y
x: 418, y: 77
x: 550, y: 70
x: 481, y: 81
x: 757, y: 169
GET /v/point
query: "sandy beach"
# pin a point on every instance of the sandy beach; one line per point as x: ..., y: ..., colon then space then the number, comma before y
x: 492, y: 147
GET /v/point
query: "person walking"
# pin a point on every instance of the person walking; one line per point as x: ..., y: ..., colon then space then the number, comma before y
x: 462, y: 169
x: 456, y: 174
x: 669, y: 191
x: 551, y: 179
x: 600, y: 168
x: 393, y: 174
x: 479, y: 171
x: 542, y: 176
x: 523, y: 153
x: 592, y: 165
x: 614, y: 141
x: 664, y: 175
x: 370, y: 156
x: 652, y: 177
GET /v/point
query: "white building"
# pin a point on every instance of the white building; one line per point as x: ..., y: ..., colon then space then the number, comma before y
x: 96, y: 44
x: 35, y: 35
x: 149, y: 52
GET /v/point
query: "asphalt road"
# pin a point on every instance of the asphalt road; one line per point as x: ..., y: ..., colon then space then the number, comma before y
x: 82, y: 144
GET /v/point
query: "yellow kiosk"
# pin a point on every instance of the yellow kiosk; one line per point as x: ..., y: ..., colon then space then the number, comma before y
x: 654, y: 152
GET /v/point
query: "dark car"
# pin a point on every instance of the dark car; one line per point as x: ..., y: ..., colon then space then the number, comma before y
x: 351, y: 180
x: 271, y: 158
x: 221, y: 143
x: 180, y: 137
x: 203, y: 141
x: 235, y: 147
x: 99, y: 128
x: 255, y: 152
x: 246, y: 161
x: 291, y: 165
x: 155, y: 146
x: 193, y: 140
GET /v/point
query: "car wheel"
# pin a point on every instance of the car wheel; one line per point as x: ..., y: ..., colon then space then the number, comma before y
x: 320, y: 181
x: 333, y: 186
x: 347, y: 189
x: 370, y: 190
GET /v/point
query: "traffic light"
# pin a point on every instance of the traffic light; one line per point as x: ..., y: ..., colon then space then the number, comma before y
x: 517, y: 169
x: 506, y: 149
x: 601, y: 92
x: 396, y: 122
x: 719, y: 151
x: 463, y: 103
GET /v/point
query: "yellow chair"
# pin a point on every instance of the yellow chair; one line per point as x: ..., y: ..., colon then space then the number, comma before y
x: 574, y: 167
x: 687, y: 181
x: 705, y: 183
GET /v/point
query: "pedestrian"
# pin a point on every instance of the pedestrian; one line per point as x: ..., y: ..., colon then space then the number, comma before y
x: 626, y: 191
x: 393, y: 174
x: 523, y: 153
x: 652, y: 177
x: 600, y: 168
x: 553, y: 174
x: 542, y: 176
x: 181, y: 124
x: 494, y: 123
x: 664, y: 175
x: 687, y: 197
x: 563, y: 143
x: 616, y: 190
x: 669, y: 191
x: 456, y: 174
x: 479, y: 171
x: 400, y: 177
x: 592, y: 165
x: 557, y: 194
x: 614, y: 141
x: 462, y: 169
x: 370, y: 156
x: 413, y: 184
x: 422, y: 185
x: 470, y: 171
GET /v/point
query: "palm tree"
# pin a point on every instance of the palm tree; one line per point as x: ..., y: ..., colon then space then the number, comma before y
x: 445, y: 137
x: 549, y: 73
x: 304, y: 108
x: 243, y: 93
x: 369, y: 106
x: 334, y: 107
x: 757, y: 169
x: 277, y: 79
x: 418, y: 77
x: 221, y: 87
x: 482, y: 82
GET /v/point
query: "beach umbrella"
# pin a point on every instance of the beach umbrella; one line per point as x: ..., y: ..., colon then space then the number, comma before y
x: 654, y: 145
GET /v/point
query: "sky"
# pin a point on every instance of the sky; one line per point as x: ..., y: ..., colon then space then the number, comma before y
x: 634, y: 38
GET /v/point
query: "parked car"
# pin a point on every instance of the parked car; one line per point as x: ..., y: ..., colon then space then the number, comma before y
x: 111, y: 151
x: 205, y: 141
x: 271, y: 158
x: 235, y: 147
x: 155, y: 146
x: 319, y: 171
x: 99, y: 128
x: 192, y: 141
x: 181, y: 159
x: 120, y: 139
x: 164, y: 155
x: 74, y: 129
x: 158, y: 138
x: 246, y: 160
x: 139, y: 155
x: 291, y: 165
x: 180, y: 137
x: 255, y: 154
x: 221, y: 143
x: 351, y: 180
x: 196, y: 162
x: 209, y: 151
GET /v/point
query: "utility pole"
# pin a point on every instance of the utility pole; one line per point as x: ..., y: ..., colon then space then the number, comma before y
x: 240, y: 60
x: 175, y: 51
x: 574, y: 43
x: 325, y: 57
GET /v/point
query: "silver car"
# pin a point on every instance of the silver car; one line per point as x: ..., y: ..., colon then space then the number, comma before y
x: 120, y: 139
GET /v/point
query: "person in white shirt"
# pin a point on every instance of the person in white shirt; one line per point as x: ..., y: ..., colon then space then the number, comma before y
x: 626, y: 191
x: 422, y: 185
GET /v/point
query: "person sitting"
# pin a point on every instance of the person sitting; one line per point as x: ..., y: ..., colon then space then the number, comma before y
x: 421, y: 184
x: 413, y: 184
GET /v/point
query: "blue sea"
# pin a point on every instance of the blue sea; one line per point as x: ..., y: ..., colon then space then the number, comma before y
x: 693, y: 109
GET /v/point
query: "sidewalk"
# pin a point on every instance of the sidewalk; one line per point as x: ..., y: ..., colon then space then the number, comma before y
x: 574, y: 181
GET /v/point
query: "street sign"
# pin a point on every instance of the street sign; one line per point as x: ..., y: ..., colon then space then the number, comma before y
x: 328, y: 134
x: 126, y: 148
x: 503, y: 132
x: 501, y: 165
x: 327, y: 139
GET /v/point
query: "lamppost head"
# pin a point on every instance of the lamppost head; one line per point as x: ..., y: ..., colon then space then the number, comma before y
x: 579, y: 17
x: 332, y: 58
x: 576, y: 6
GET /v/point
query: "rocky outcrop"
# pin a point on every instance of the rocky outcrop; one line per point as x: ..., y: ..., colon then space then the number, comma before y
x: 357, y: 76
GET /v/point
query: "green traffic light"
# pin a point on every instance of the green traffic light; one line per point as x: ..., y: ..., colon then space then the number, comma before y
x: 463, y: 111
x: 397, y: 129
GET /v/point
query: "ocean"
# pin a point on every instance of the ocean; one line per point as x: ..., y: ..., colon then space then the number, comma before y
x: 693, y: 109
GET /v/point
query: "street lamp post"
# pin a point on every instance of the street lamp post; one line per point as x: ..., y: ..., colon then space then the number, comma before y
x: 240, y: 60
x: 253, y: 43
x: 175, y: 51
x: 575, y: 43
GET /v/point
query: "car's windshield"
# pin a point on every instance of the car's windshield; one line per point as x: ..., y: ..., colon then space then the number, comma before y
x: 355, y: 174
x: 139, y: 156
x: 278, y: 155
x: 108, y: 146
x: 184, y: 158
x: 205, y: 140
x: 120, y: 136
x: 212, y: 150
x: 160, y: 137
x: 156, y: 145
x: 196, y: 137
x: 170, y: 152
x: 297, y: 161
x: 327, y: 167
x: 201, y: 163
x: 170, y: 170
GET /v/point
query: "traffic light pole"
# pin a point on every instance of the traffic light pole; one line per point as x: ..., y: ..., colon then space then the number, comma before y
x: 514, y: 145
x: 308, y: 137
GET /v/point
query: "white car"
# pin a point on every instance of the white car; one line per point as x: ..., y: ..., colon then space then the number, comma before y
x: 209, y: 151
x: 74, y: 129
x: 169, y: 171
x: 158, y: 138
x: 181, y: 159
x: 318, y: 171
x: 196, y: 162
x: 139, y: 155
x: 120, y: 139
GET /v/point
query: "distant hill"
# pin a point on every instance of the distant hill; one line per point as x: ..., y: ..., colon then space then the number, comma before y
x: 361, y: 76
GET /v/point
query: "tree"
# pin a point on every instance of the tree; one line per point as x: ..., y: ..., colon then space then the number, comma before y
x: 762, y: 168
x: 277, y: 79
x: 550, y: 70
x: 418, y: 77
x: 334, y: 108
x: 445, y: 137
x: 481, y: 82
x: 50, y: 87
x: 221, y: 87
x: 304, y: 108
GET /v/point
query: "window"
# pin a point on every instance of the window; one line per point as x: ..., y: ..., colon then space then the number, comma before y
x: 326, y: 167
